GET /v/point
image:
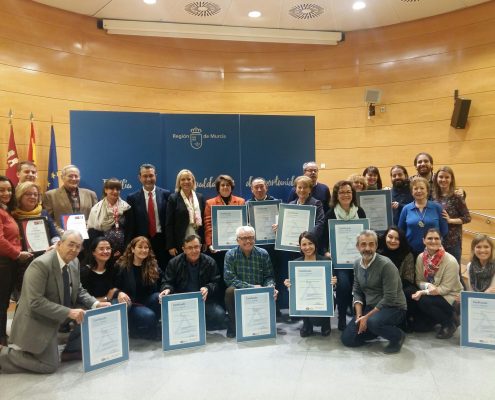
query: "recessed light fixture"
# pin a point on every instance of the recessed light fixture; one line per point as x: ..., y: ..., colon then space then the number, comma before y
x: 358, y: 5
x: 149, y: 1
x: 254, y: 14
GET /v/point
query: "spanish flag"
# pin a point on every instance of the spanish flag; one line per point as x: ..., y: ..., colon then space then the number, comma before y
x: 31, y: 156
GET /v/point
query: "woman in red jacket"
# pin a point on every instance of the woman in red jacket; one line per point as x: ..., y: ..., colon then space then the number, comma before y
x: 10, y: 252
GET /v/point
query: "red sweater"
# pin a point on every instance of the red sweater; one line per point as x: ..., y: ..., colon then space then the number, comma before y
x: 10, y: 240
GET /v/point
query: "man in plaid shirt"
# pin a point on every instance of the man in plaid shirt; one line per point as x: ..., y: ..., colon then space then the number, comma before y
x: 245, y: 266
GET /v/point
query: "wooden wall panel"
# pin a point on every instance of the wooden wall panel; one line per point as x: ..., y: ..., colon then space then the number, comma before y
x: 52, y: 62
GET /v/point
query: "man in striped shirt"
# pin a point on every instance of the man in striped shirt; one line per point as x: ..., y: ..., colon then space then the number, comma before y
x: 245, y: 266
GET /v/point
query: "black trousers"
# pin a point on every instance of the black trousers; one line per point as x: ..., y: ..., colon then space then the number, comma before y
x: 8, y: 279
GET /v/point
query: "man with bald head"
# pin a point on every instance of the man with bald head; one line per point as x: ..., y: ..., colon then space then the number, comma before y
x: 51, y: 294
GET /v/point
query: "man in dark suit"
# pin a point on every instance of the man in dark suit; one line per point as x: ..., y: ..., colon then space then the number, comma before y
x: 70, y: 198
x: 50, y: 290
x: 150, y: 198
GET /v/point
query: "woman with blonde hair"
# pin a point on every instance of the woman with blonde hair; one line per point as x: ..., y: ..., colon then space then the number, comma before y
x: 185, y: 212
x: 358, y: 182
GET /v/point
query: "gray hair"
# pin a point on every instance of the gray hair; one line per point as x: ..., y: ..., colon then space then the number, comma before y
x: 246, y: 229
x: 308, y: 163
x: 70, y: 232
x: 67, y: 167
x: 367, y: 232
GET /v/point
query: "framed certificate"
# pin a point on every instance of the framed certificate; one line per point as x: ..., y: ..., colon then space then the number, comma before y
x: 255, y: 314
x: 104, y: 337
x: 262, y: 215
x: 293, y: 220
x: 183, y: 321
x: 34, y: 234
x: 377, y: 204
x: 76, y: 222
x: 225, y: 220
x: 343, y: 241
x: 478, y: 320
x: 311, y: 291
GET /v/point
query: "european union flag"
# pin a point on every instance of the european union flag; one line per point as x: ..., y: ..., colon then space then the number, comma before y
x: 52, y: 164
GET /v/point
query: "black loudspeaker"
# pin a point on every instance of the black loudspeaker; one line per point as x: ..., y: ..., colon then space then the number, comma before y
x: 460, y: 114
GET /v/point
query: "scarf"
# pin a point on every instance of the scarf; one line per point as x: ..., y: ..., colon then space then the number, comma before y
x: 479, y: 276
x: 103, y: 216
x: 372, y: 187
x: 431, y: 264
x: 192, y: 209
x: 396, y: 256
x: 21, y: 214
x: 342, y: 214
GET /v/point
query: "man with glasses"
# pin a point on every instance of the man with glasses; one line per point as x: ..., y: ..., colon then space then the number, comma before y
x: 193, y: 271
x: 320, y: 191
x: 246, y: 266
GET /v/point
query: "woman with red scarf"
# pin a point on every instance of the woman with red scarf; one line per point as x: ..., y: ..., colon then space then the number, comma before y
x: 437, y: 277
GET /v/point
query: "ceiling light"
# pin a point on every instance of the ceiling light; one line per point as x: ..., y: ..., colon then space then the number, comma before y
x: 254, y: 14
x: 358, y: 5
x: 150, y: 1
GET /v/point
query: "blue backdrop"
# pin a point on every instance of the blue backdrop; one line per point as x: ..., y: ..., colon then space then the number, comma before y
x: 114, y: 144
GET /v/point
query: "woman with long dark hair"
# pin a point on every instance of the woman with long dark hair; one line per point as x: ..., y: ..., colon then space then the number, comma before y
x: 307, y: 243
x: 373, y: 179
x: 481, y: 269
x: 138, y: 280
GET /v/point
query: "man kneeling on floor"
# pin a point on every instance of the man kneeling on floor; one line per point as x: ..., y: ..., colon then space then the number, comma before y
x: 379, y: 302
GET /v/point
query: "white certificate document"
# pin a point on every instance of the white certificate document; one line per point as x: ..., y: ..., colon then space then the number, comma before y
x: 255, y: 314
x: 35, y: 235
x: 105, y: 337
x: 345, y: 243
x: 77, y: 222
x: 227, y: 222
x: 310, y: 288
x: 183, y: 320
x: 295, y: 222
x: 481, y: 314
x: 264, y: 217
x: 375, y: 207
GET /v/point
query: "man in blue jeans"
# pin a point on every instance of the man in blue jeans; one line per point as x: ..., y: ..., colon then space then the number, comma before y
x: 379, y: 301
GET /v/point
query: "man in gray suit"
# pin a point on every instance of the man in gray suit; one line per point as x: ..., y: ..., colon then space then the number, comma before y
x: 70, y: 198
x: 50, y: 289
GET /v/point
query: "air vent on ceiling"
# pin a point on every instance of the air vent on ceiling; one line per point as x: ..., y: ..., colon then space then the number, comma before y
x: 202, y: 8
x: 306, y: 11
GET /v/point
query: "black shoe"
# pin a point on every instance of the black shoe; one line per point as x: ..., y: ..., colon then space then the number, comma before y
x: 325, y: 330
x: 306, y: 330
x: 394, y: 347
x: 342, y: 322
x: 446, y: 332
x: 231, y: 333
x: 71, y: 356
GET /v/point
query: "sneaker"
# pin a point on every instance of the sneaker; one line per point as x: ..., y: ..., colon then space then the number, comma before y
x: 394, y: 347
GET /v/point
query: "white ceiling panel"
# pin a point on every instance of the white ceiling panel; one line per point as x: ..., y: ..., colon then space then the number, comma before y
x: 137, y: 10
x: 310, y: 15
x: 377, y: 13
x: 408, y: 11
x: 237, y: 14
x: 211, y: 12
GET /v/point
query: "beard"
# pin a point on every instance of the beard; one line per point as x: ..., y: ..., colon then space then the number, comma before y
x: 400, y: 183
x: 367, y: 255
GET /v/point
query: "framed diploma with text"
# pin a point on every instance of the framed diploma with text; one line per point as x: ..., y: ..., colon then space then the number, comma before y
x: 104, y: 337
x: 34, y: 234
x: 262, y: 215
x: 224, y: 221
x: 183, y: 321
x: 478, y: 320
x: 255, y: 314
x: 293, y: 219
x: 311, y: 290
x: 377, y: 204
x: 342, y: 241
x: 75, y: 222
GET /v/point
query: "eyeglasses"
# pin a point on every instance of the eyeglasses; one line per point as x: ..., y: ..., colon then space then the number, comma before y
x: 246, y: 238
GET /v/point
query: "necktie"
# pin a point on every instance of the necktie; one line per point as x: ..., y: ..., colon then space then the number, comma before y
x: 65, y: 277
x: 151, y: 215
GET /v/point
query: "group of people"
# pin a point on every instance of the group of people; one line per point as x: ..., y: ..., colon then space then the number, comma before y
x: 156, y: 243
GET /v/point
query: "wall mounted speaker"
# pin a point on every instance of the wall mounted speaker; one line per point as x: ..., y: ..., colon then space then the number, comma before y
x: 460, y: 114
x: 372, y: 96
